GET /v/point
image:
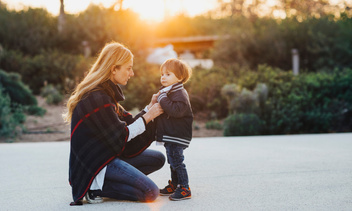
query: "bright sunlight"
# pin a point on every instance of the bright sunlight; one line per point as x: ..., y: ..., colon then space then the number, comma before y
x: 151, y: 10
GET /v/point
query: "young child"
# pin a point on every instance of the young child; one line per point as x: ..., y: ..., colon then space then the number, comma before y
x: 174, y: 126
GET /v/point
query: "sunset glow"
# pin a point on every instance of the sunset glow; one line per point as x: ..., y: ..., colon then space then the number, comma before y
x: 147, y: 10
x: 151, y: 10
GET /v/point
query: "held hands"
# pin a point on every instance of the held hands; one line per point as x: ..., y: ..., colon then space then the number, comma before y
x: 153, y: 112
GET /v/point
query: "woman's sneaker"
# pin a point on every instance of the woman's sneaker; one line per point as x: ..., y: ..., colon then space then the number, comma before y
x: 168, y: 190
x: 92, y: 199
x: 181, y: 193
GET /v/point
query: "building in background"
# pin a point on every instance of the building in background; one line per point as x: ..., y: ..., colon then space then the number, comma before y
x: 194, y: 50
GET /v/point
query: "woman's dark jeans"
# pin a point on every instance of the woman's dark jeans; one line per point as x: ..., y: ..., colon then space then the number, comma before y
x: 175, y: 158
x: 125, y: 178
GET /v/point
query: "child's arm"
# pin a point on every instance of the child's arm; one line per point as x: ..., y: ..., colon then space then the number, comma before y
x: 176, y: 108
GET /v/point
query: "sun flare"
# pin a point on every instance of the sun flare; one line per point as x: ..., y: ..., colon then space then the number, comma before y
x: 157, y: 10
x: 151, y: 10
x: 148, y: 10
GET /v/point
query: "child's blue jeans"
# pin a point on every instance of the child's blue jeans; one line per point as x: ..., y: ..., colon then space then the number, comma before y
x: 175, y: 157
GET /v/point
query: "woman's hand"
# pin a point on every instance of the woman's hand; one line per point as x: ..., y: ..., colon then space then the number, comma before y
x: 154, y: 100
x: 153, y: 112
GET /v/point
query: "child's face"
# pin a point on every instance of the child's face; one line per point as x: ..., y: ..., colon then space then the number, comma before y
x: 168, y: 78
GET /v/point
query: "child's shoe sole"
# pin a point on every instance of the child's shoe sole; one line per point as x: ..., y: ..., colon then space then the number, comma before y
x: 180, y: 199
x: 165, y: 194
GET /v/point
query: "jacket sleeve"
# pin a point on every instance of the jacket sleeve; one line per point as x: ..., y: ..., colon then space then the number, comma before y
x: 176, y: 107
x: 128, y: 118
x: 137, y: 145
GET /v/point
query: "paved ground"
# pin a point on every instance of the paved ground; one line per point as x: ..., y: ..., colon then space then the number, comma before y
x: 296, y: 172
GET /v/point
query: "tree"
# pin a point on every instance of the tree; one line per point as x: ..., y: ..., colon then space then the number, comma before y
x: 61, y: 20
x: 305, y: 8
x: 118, y: 3
x: 232, y: 8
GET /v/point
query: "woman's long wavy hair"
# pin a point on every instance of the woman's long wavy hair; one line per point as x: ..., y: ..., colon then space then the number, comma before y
x: 112, y: 55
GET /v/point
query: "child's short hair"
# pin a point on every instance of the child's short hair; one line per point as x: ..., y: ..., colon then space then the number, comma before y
x: 181, y: 70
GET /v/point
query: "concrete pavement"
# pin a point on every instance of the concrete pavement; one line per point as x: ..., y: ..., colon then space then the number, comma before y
x: 291, y: 172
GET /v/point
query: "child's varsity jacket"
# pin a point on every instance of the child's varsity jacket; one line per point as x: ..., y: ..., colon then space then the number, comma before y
x: 175, y: 124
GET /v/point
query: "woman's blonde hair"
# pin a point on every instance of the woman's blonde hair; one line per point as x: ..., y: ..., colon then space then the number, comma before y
x: 112, y: 55
x: 181, y: 70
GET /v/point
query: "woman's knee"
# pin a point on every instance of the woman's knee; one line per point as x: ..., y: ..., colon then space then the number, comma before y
x: 158, y: 158
x: 152, y: 194
x: 161, y: 157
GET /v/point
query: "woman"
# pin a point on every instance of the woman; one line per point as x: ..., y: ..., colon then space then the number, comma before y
x: 108, y: 156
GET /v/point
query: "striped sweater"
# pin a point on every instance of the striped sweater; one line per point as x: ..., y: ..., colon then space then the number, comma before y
x: 98, y: 135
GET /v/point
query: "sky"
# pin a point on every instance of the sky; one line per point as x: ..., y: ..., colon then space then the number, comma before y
x: 147, y: 9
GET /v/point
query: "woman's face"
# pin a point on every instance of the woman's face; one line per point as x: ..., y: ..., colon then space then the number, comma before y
x: 122, y: 75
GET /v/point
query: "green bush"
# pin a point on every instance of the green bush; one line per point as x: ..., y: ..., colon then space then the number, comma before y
x: 214, y: 124
x: 18, y: 114
x: 34, y: 110
x: 29, y: 31
x: 231, y: 93
x: 242, y: 100
x: 308, y: 103
x: 287, y: 104
x: 54, y: 99
x: 246, y: 102
x: 20, y: 95
x: 242, y: 125
x: 12, y: 60
x: 322, y: 43
x: 10, y: 118
x: 51, y: 66
x: 18, y: 92
x: 204, y: 90
x: 51, y: 94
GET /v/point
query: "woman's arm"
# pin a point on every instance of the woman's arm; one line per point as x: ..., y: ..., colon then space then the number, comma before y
x: 139, y: 126
x: 129, y: 119
x: 140, y: 142
x: 153, y: 112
